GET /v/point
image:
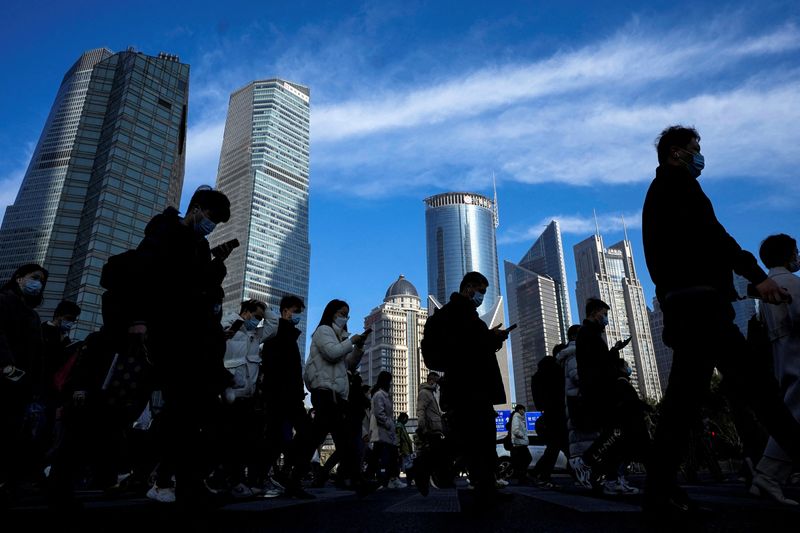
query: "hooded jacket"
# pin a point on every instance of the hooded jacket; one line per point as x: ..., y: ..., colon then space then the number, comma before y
x: 381, y: 426
x: 429, y: 415
x: 519, y: 429
x: 332, y: 354
x: 242, y: 357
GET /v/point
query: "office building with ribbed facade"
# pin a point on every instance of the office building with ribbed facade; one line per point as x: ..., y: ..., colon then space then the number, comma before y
x: 110, y: 157
x: 663, y: 352
x: 460, y: 237
x: 538, y: 303
x: 610, y: 274
x: 264, y: 171
x: 394, y: 344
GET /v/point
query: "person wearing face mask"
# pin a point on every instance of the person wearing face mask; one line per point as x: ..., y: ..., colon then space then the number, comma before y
x: 280, y: 390
x: 241, y: 425
x: 695, y: 289
x: 779, y: 254
x: 20, y: 367
x: 333, y: 352
x: 430, y: 434
x: 474, y: 382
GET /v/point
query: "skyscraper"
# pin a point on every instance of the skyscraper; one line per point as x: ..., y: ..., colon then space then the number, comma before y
x: 744, y: 307
x: 538, y: 302
x: 460, y: 238
x: 663, y: 352
x: 393, y: 345
x: 110, y: 157
x: 264, y: 170
x: 609, y: 274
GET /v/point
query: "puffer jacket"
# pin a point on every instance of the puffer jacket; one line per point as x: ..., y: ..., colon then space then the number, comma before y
x: 429, y: 415
x: 381, y: 426
x: 519, y: 429
x: 566, y: 358
x: 242, y: 357
x: 332, y: 354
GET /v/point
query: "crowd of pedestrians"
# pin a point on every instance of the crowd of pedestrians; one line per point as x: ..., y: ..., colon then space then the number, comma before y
x: 228, y: 409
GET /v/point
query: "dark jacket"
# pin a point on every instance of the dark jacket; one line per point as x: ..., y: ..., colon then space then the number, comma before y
x: 598, y: 367
x: 282, y: 369
x: 685, y: 246
x: 547, y: 387
x: 473, y: 379
x: 20, y: 335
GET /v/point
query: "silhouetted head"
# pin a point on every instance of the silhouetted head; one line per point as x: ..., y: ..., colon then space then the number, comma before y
x: 572, y: 332
x: 597, y: 311
x: 779, y: 251
x: 384, y: 382
x: 473, y: 286
x: 29, y: 282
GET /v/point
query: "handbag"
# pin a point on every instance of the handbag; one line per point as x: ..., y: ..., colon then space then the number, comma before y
x: 127, y: 384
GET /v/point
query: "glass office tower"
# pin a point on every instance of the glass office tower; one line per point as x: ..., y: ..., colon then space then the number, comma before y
x: 111, y: 157
x: 460, y: 238
x: 538, y: 302
x: 609, y: 274
x: 264, y: 170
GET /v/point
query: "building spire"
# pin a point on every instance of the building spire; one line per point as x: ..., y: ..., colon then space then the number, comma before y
x: 496, y: 208
x: 624, y: 227
x: 596, y: 225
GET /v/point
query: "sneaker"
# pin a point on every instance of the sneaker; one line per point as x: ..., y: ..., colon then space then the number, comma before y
x: 395, y: 483
x: 501, y: 483
x: 270, y: 490
x: 241, y: 492
x: 433, y: 483
x: 582, y: 471
x: 165, y: 495
x: 612, y: 488
x: 627, y: 488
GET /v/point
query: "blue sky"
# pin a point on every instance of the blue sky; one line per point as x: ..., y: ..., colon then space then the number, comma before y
x: 561, y: 100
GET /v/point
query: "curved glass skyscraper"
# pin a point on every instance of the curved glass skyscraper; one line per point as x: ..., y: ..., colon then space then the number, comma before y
x: 460, y: 235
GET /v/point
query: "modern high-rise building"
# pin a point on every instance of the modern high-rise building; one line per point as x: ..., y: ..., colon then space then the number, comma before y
x: 610, y: 274
x: 538, y: 302
x: 110, y: 157
x: 393, y: 345
x: 663, y: 352
x: 460, y: 238
x: 264, y: 171
x: 744, y: 307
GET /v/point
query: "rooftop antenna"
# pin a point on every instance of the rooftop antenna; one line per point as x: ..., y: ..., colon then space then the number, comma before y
x: 596, y: 225
x: 496, y: 208
x: 624, y: 227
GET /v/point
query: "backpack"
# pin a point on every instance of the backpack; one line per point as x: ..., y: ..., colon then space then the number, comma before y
x: 116, y: 275
x: 434, y: 344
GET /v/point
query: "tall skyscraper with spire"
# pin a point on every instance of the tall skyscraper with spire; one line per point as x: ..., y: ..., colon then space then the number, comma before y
x: 538, y: 302
x: 393, y: 346
x: 110, y: 157
x: 610, y: 274
x: 460, y: 238
x: 264, y: 170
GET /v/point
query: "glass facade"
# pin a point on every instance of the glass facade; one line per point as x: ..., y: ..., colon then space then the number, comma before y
x: 264, y: 170
x: 538, y: 302
x: 610, y: 274
x: 125, y: 165
x: 663, y: 352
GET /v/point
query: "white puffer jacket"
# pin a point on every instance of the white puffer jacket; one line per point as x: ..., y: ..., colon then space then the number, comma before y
x: 242, y: 352
x: 332, y: 354
x: 519, y: 429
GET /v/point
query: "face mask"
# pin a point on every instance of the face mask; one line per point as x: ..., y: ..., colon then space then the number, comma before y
x: 628, y: 371
x: 696, y: 165
x: 477, y: 298
x: 295, y: 319
x: 66, y: 325
x: 205, y: 226
x: 251, y: 323
x: 604, y: 320
x: 340, y: 321
x: 32, y: 287
x: 794, y: 266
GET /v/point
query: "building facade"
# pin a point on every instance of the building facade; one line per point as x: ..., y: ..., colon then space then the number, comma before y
x: 460, y: 237
x: 538, y: 303
x: 110, y: 157
x: 745, y: 307
x: 663, y: 352
x: 394, y: 345
x: 264, y: 171
x: 610, y: 274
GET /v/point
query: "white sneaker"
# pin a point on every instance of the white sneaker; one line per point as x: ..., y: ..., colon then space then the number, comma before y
x: 165, y: 495
x: 501, y: 483
x: 241, y: 492
x: 271, y: 490
x: 582, y: 471
x: 395, y: 483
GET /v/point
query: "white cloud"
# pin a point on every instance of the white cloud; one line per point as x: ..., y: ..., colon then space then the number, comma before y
x: 575, y: 224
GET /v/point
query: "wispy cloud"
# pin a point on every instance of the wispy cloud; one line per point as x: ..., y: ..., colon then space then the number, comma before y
x: 10, y: 184
x: 575, y: 224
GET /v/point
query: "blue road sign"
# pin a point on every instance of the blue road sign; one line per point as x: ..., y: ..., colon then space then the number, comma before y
x: 503, y: 417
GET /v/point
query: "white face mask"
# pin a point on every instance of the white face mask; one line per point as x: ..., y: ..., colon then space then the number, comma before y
x: 340, y: 321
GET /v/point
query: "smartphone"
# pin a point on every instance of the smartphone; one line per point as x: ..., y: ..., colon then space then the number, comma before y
x: 237, y: 324
x: 511, y: 327
x: 16, y: 375
x: 234, y: 243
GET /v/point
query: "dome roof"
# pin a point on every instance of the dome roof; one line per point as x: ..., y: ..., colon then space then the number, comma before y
x: 401, y: 287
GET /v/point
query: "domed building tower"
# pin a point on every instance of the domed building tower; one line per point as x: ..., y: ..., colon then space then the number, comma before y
x: 397, y: 326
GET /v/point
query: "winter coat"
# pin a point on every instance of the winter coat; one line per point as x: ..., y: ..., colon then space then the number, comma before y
x: 332, y: 354
x: 381, y: 427
x: 677, y: 215
x: 566, y: 358
x: 547, y: 387
x: 429, y: 415
x: 403, y: 440
x: 598, y: 366
x: 282, y: 369
x: 519, y: 429
x: 474, y: 382
x: 20, y: 336
x: 242, y: 357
